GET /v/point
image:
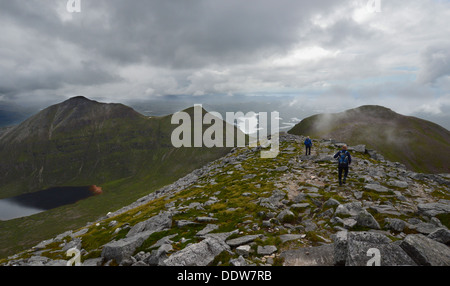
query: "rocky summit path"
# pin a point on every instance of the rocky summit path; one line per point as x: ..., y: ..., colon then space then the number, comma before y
x: 243, y: 210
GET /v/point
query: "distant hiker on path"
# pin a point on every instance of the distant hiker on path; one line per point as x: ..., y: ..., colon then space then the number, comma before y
x: 344, y: 160
x: 308, y: 144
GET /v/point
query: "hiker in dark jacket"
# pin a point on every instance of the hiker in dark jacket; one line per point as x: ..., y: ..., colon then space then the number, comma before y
x: 308, y: 144
x: 344, y: 159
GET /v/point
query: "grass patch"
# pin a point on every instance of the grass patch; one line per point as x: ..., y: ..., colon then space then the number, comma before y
x: 445, y: 219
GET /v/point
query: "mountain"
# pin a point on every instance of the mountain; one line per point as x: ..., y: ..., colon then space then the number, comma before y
x: 244, y: 210
x: 419, y: 144
x: 81, y: 142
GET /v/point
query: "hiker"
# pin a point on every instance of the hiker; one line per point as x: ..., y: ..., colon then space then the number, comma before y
x: 308, y: 144
x: 344, y: 160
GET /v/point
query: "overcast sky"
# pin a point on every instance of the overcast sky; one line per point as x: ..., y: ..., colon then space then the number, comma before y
x: 324, y: 55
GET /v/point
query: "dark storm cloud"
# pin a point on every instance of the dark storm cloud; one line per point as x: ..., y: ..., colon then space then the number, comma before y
x: 118, y: 49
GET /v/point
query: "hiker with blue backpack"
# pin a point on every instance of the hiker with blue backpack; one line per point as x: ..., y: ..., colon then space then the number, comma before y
x: 344, y: 159
x: 308, y: 145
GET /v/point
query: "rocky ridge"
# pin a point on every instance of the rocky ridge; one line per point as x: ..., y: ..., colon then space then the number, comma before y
x: 243, y: 210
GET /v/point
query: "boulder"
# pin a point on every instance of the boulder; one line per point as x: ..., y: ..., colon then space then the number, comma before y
x: 266, y: 250
x: 362, y: 246
x: 206, y: 219
x: 424, y: 227
x: 285, y: 215
x: 426, y: 251
x: 441, y: 235
x: 331, y: 203
x: 358, y: 148
x: 197, y: 254
x: 240, y: 261
x: 208, y: 228
x: 433, y: 209
x: 376, y: 188
x: 365, y: 219
x: 395, y: 224
x: 398, y: 184
x: 156, y: 223
x: 242, y: 240
x: 309, y: 256
x: 124, y: 248
x: 351, y: 209
x: 340, y: 248
x: 385, y: 209
x: 288, y: 237
x: 243, y: 250
x: 274, y: 201
x: 157, y: 257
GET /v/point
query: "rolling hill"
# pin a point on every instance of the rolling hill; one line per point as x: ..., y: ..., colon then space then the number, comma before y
x: 419, y: 144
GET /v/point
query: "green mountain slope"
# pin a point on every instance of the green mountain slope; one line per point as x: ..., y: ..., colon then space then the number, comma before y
x: 419, y: 144
x: 82, y: 142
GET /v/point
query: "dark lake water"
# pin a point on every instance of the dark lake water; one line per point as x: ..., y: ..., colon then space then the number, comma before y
x: 33, y: 203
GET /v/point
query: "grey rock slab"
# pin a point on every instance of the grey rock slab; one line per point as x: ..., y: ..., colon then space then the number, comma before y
x: 395, y: 224
x: 365, y: 219
x: 441, y: 235
x: 311, y: 256
x: 300, y: 206
x: 349, y: 223
x: 206, y: 219
x: 266, y: 250
x: 358, y: 148
x: 398, y: 184
x: 58, y: 262
x: 157, y: 257
x: 182, y: 223
x: 289, y: 237
x: 207, y: 229
x: 284, y: 214
x: 274, y: 200
x: 240, y: 261
x: 37, y: 261
x: 198, y: 254
x: 426, y: 251
x: 124, y: 248
x: 243, y: 250
x: 331, y: 203
x: 43, y: 244
x: 243, y: 240
x: 376, y: 188
x: 351, y: 209
x: 164, y: 240
x: 433, y: 209
x: 93, y: 262
x: 359, y: 244
x: 385, y: 209
x: 156, y: 223
x: 340, y: 248
x: 424, y: 227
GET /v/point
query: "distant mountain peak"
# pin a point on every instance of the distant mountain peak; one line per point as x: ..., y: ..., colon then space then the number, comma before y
x: 79, y: 97
x: 419, y: 144
x: 73, y: 114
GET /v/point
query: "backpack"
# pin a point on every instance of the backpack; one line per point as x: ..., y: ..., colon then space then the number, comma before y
x: 343, y: 158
